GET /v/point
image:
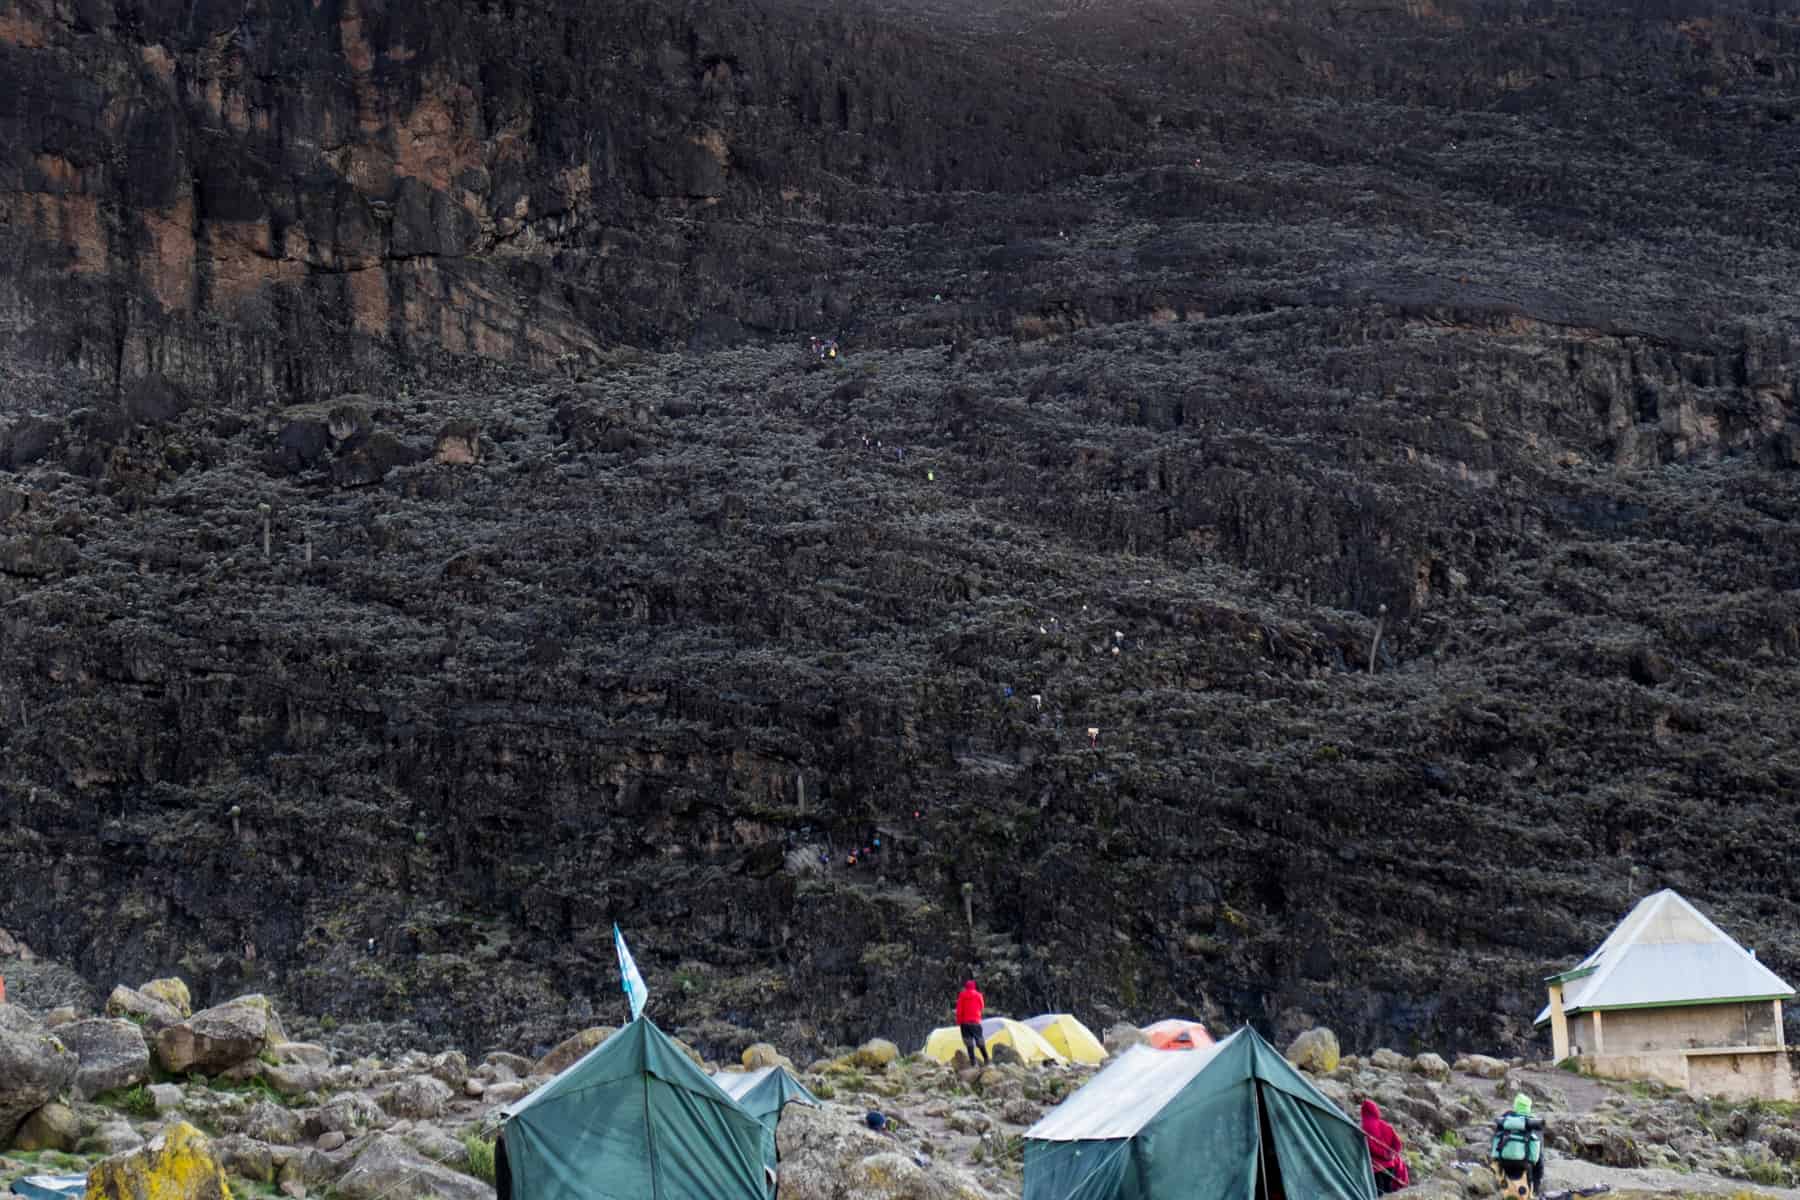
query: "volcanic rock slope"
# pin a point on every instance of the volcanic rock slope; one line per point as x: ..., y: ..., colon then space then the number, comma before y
x: 1179, y: 340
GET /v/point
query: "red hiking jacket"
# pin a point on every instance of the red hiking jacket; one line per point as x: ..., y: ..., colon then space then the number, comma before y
x: 1384, y: 1144
x: 969, y: 1005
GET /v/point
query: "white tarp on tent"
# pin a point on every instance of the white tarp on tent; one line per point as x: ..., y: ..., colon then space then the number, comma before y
x: 1123, y: 1097
x: 737, y: 1084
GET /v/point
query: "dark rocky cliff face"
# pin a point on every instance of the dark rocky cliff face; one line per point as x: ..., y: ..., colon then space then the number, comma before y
x: 1178, y: 343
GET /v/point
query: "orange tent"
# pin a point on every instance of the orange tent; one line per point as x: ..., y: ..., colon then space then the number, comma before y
x: 1177, y: 1035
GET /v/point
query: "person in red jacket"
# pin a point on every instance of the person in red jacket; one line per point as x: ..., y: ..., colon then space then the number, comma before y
x: 1385, y: 1153
x: 969, y: 1007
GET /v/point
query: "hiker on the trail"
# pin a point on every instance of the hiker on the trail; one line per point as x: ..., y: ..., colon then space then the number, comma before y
x: 1384, y: 1150
x: 969, y: 1007
x: 1519, y: 1143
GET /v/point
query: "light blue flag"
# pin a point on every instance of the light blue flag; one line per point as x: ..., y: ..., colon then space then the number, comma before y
x: 630, y: 982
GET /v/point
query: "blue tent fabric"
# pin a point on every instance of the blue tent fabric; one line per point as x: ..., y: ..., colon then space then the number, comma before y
x: 51, y: 1187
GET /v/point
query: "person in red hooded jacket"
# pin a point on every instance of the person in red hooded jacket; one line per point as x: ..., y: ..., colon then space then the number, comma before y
x: 1385, y: 1150
x: 969, y: 1007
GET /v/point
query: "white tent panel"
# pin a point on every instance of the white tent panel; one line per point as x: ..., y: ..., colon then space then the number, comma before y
x: 737, y: 1084
x: 1123, y: 1097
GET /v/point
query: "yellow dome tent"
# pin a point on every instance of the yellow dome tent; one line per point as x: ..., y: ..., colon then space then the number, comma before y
x: 1069, y: 1037
x: 943, y: 1043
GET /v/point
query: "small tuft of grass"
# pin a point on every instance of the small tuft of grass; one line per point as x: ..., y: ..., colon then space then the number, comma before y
x: 1771, y: 1174
x: 135, y: 1100
x: 481, y: 1158
x: 256, y: 1086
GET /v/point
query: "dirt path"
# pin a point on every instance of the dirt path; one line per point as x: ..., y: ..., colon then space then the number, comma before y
x: 1628, y: 1183
x: 1583, y: 1092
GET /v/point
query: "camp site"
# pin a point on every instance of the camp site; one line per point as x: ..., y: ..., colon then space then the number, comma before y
x: 1669, y: 1028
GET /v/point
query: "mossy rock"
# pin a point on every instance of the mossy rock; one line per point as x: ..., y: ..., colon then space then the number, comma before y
x: 572, y: 1048
x: 875, y: 1054
x: 179, y: 1162
x: 172, y: 992
x: 762, y: 1054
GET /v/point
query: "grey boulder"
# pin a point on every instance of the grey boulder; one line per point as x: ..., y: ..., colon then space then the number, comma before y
x: 112, y: 1053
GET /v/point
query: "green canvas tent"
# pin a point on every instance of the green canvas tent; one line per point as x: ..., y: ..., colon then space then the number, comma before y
x: 763, y: 1094
x: 633, y: 1119
x: 1231, y: 1121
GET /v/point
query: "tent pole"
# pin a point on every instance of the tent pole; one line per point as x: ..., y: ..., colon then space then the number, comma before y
x: 650, y: 1136
x: 1262, y: 1139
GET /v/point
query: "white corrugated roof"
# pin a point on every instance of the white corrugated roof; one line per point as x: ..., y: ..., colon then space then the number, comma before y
x: 1123, y: 1097
x: 1665, y: 951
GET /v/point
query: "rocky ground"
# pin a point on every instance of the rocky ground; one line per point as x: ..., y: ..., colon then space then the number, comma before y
x: 297, y: 1118
x: 418, y: 523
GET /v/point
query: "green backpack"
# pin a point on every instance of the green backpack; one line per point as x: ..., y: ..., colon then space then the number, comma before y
x: 1518, y: 1138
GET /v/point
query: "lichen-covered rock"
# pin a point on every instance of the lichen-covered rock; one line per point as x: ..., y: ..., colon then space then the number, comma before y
x: 437, y: 1145
x: 305, y: 1054
x: 969, y: 1120
x: 417, y: 1097
x: 1481, y: 1065
x: 762, y: 1054
x: 452, y: 1066
x: 153, y: 1014
x: 296, y: 1079
x: 571, y: 1049
x: 1431, y: 1065
x: 219, y: 1038
x: 1315, y: 1051
x: 272, y: 1123
x: 506, y: 1065
x: 1389, y: 1060
x: 35, y: 1068
x: 875, y: 1054
x: 52, y: 1127
x: 891, y: 1175
x: 823, y: 1157
x: 320, y: 1168
x: 172, y: 992
x: 388, y: 1163
x: 1020, y: 1111
x: 111, y: 1051
x: 177, y: 1163
x: 504, y: 1093
x: 348, y: 1113
x: 240, y: 1154
x: 114, y: 1137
